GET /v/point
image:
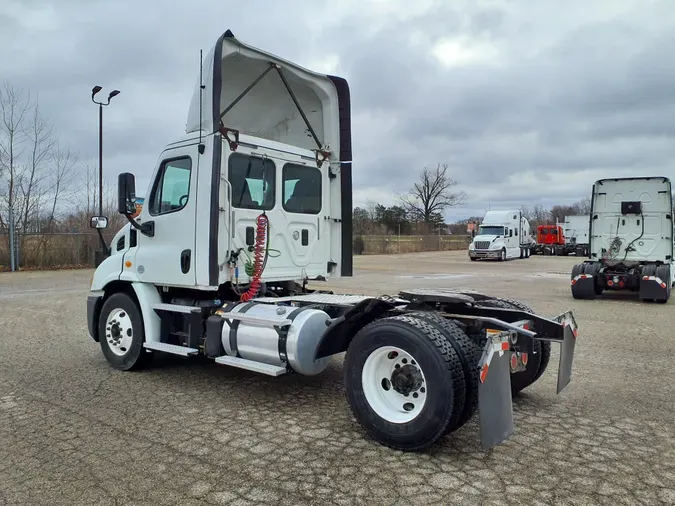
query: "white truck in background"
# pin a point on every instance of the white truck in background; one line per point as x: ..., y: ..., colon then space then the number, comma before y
x: 246, y: 207
x: 631, y: 240
x: 576, y: 230
x: 502, y: 235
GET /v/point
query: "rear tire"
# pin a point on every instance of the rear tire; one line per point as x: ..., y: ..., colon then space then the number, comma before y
x: 469, y: 354
x: 121, y: 333
x: 402, y: 355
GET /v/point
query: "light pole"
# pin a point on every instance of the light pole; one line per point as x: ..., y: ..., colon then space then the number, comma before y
x: 103, y: 252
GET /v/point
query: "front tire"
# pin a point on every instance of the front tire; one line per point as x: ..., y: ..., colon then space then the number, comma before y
x: 502, y: 255
x: 404, y: 382
x: 121, y: 332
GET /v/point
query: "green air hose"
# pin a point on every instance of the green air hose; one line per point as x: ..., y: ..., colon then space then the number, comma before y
x: 248, y: 266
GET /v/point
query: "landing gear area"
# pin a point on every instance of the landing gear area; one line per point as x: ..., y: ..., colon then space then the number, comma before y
x: 652, y: 282
x: 417, y: 366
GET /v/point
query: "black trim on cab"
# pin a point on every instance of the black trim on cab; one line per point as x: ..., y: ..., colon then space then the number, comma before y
x: 93, y: 308
x: 217, y: 154
x: 344, y: 104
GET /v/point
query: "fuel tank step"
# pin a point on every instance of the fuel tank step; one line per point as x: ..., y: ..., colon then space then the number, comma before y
x: 171, y: 348
x: 250, y: 365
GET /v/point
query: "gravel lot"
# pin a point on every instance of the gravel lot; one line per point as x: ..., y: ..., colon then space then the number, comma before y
x: 73, y: 431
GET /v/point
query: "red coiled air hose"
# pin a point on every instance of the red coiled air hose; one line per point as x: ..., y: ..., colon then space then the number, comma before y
x: 259, y: 258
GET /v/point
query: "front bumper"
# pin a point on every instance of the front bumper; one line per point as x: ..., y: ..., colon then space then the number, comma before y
x: 478, y: 253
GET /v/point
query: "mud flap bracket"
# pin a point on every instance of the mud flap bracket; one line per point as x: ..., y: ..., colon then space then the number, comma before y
x: 567, y: 347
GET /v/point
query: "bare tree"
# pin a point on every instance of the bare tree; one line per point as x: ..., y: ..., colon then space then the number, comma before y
x: 40, y: 135
x: 62, y: 175
x: 13, y: 110
x: 432, y: 195
x: 583, y: 206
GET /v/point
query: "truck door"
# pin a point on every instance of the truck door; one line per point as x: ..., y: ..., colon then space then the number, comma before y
x: 168, y: 256
x: 292, y: 192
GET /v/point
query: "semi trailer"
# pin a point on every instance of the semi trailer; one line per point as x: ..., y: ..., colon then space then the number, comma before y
x: 631, y: 240
x: 252, y: 204
x: 502, y: 235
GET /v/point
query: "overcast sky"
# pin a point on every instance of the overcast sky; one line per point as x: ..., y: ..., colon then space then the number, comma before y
x: 528, y: 101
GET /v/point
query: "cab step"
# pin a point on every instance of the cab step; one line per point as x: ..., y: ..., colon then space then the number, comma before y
x: 250, y: 365
x: 171, y: 348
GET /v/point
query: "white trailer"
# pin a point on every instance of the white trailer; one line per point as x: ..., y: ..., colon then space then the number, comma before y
x: 576, y: 230
x: 631, y: 240
x: 243, y: 210
x: 502, y: 235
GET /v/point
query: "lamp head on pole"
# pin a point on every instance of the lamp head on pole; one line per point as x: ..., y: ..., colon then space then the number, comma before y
x: 113, y: 93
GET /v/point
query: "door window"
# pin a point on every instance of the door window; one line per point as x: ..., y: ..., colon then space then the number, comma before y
x: 171, y: 190
x: 252, y: 179
x: 301, y: 189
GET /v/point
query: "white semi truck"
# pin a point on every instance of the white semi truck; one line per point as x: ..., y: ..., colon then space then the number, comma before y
x: 250, y: 204
x: 502, y: 235
x: 631, y: 240
x: 577, y: 230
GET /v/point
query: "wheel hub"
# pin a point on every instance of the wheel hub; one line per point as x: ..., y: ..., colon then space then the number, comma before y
x: 406, y: 379
x: 394, y: 384
x: 119, y: 332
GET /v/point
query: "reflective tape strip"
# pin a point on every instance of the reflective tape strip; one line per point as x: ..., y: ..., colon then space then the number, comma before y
x: 581, y: 276
x: 655, y: 278
x: 499, y: 343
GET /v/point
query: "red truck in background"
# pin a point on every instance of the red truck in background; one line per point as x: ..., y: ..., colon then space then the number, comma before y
x: 550, y: 240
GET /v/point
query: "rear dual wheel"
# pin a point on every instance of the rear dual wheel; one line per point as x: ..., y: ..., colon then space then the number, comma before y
x: 408, y: 381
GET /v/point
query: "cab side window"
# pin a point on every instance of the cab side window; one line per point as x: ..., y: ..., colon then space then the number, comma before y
x: 252, y: 180
x: 301, y: 189
x: 171, y: 190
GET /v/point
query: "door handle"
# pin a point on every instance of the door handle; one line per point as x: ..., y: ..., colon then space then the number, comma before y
x: 185, y: 260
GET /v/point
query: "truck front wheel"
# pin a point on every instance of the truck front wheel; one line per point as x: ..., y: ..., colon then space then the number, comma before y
x: 120, y: 328
x: 404, y: 382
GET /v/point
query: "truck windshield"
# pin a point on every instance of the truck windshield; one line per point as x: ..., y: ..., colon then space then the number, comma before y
x: 491, y: 230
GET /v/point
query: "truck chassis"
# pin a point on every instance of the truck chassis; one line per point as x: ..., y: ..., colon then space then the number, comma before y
x: 652, y: 281
x: 416, y: 365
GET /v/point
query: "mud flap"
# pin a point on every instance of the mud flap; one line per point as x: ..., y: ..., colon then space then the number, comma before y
x: 653, y: 288
x: 583, y: 286
x: 495, y: 408
x: 567, y: 346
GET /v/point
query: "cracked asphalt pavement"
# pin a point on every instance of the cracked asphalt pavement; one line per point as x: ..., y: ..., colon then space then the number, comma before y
x: 74, y: 431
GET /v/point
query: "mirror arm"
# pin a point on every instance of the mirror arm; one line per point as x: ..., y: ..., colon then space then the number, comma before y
x: 147, y: 228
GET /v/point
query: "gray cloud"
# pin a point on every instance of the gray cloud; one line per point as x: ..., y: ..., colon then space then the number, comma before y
x: 569, y: 94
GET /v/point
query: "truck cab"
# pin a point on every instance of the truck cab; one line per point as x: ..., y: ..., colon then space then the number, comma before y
x: 502, y: 235
x: 631, y: 240
x: 270, y: 153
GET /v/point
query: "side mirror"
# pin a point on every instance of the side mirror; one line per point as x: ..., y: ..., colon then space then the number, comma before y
x: 126, y: 193
x: 98, y: 222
